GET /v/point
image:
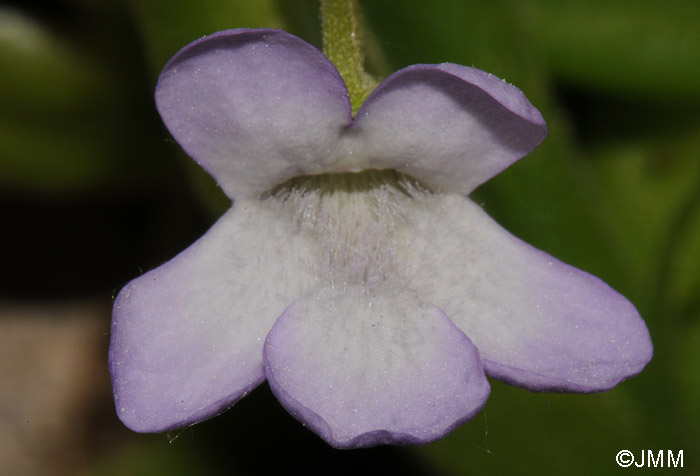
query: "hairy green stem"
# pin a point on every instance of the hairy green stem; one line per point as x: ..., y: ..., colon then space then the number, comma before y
x: 342, y: 44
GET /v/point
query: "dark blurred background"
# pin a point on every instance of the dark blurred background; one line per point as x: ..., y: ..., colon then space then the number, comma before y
x: 93, y: 191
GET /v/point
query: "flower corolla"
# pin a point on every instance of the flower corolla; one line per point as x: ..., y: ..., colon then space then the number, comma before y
x: 351, y: 271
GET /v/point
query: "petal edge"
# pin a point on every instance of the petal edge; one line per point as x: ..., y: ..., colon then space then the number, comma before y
x: 538, y: 323
x: 363, y: 369
x: 254, y: 107
x: 452, y: 126
x: 187, y: 337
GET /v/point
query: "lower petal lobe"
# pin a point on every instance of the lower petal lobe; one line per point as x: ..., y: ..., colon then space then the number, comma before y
x: 363, y: 367
x: 187, y: 337
x: 538, y: 323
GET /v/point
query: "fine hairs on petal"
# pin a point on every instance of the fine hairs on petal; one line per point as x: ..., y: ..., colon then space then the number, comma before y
x: 363, y: 367
x: 354, y: 220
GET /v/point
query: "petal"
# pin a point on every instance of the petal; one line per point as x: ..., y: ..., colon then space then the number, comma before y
x: 537, y: 322
x: 187, y: 337
x: 451, y: 126
x: 362, y: 368
x: 253, y: 107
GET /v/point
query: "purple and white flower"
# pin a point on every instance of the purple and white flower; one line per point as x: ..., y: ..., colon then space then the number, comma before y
x: 352, y: 272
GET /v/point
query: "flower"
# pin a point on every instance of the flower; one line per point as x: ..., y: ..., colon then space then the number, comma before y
x: 352, y: 272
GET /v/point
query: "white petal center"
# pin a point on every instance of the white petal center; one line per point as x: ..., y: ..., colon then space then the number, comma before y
x: 355, y: 221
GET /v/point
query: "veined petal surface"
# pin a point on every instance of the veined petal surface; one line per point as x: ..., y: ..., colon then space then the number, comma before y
x: 254, y: 107
x: 362, y: 368
x: 187, y: 337
x: 451, y: 126
x: 538, y: 323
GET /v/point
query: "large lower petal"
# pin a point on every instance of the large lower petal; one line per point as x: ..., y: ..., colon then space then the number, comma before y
x: 254, y: 107
x: 366, y: 367
x: 537, y: 322
x: 451, y: 126
x: 187, y: 337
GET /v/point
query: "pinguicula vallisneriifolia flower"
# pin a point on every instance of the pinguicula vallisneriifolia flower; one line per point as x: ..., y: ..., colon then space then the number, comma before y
x: 352, y: 271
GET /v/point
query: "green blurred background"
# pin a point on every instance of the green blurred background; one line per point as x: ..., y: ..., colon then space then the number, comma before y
x: 93, y: 190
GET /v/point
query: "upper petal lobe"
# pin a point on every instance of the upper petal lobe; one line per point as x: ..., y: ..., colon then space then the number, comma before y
x: 254, y: 107
x: 451, y: 126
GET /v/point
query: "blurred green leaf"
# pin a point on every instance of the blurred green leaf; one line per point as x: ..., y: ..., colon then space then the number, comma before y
x: 50, y: 158
x: 168, y: 26
x: 148, y: 455
x: 634, y: 48
x: 683, y: 285
x: 687, y: 359
x: 40, y: 71
x: 494, y: 36
x: 301, y: 18
x: 644, y: 189
x: 526, y: 433
x: 52, y: 104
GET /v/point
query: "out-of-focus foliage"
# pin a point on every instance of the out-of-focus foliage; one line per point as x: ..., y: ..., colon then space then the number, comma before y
x: 165, y: 27
x: 615, y: 190
x: 52, y: 98
x: 642, y: 49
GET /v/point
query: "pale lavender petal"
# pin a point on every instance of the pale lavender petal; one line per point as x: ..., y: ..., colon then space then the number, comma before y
x: 254, y: 107
x: 367, y: 367
x: 537, y: 322
x: 187, y: 337
x: 451, y: 126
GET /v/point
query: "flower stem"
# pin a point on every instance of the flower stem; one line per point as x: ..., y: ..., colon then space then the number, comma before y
x: 342, y: 44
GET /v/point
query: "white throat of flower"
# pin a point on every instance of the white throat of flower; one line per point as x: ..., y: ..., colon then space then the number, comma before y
x: 355, y: 222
